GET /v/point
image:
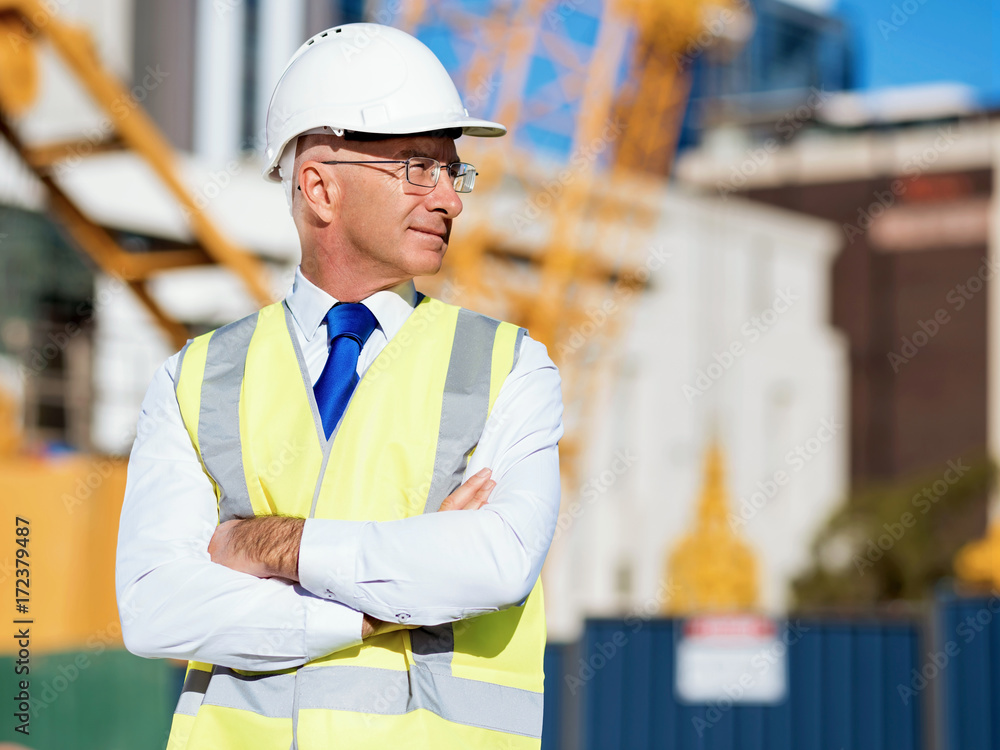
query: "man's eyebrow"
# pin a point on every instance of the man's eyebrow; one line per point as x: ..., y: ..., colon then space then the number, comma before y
x: 406, y: 153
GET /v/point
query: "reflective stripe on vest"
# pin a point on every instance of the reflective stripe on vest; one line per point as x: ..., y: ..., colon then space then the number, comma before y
x: 417, y: 674
x: 365, y: 690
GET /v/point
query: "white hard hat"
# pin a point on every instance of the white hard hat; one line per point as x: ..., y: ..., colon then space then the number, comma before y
x: 364, y: 78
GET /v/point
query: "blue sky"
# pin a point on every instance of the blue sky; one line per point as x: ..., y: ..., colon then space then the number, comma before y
x: 924, y: 41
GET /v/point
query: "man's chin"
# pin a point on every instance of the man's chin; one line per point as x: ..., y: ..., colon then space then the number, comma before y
x: 428, y: 262
x: 429, y: 269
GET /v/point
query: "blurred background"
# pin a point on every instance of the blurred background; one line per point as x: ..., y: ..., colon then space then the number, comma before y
x: 759, y: 238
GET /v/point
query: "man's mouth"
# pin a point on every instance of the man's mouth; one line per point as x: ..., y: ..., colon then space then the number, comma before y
x: 432, y: 232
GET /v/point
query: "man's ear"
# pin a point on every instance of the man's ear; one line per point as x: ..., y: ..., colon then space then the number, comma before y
x: 319, y: 191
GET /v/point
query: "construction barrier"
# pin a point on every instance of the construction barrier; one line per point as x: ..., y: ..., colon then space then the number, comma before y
x: 964, y: 668
x: 843, y: 691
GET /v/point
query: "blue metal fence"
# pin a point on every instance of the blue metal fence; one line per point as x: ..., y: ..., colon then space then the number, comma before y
x: 966, y: 659
x: 554, y: 667
x: 843, y: 692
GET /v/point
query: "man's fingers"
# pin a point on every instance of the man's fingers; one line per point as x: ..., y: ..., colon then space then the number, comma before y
x: 218, y: 546
x: 468, y: 496
x: 478, y: 498
x: 460, y: 498
x: 482, y: 496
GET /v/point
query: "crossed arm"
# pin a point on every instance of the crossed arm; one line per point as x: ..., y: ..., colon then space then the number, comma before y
x: 175, y: 601
x: 268, y: 546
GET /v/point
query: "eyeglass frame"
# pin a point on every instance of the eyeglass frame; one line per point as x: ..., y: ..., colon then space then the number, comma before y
x: 407, y: 163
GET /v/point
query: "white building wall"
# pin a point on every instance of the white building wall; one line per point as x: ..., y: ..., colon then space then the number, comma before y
x: 218, y: 83
x: 728, y: 262
x: 968, y: 143
x: 281, y: 28
x: 128, y: 347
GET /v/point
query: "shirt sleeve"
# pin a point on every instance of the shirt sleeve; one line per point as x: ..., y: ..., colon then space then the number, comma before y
x: 172, y: 599
x: 442, y: 567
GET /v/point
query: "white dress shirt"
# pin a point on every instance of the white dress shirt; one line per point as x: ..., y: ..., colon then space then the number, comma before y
x: 426, y: 570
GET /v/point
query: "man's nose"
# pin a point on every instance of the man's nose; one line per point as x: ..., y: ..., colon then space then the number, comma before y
x: 444, y: 197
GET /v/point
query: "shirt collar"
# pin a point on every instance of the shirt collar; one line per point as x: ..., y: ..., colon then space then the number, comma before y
x: 310, y: 304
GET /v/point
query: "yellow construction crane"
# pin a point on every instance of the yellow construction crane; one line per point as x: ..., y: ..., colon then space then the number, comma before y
x: 590, y: 268
x: 24, y: 26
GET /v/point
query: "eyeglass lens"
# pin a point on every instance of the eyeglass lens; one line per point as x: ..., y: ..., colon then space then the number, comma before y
x: 423, y: 172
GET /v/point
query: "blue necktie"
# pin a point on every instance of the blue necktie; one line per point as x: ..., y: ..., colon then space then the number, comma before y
x: 348, y: 327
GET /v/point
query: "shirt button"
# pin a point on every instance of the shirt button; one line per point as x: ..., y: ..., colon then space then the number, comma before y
x: 403, y: 616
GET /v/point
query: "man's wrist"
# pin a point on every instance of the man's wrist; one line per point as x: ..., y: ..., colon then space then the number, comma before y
x: 371, y: 627
x: 271, y: 543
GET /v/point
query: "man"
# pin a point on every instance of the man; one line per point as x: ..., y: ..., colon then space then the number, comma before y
x: 280, y: 526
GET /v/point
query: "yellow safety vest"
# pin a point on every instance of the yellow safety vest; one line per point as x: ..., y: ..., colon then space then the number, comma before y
x: 402, y: 447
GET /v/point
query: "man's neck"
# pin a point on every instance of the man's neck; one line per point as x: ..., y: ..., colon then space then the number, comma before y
x: 343, y: 291
x: 345, y: 285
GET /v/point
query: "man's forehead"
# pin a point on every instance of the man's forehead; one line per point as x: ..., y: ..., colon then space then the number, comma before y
x: 440, y: 147
x: 437, y: 147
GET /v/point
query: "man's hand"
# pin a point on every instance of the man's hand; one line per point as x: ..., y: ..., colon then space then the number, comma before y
x: 472, y: 495
x: 264, y: 546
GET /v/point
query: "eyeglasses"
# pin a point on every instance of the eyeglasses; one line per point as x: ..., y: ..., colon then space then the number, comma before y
x: 424, y: 171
